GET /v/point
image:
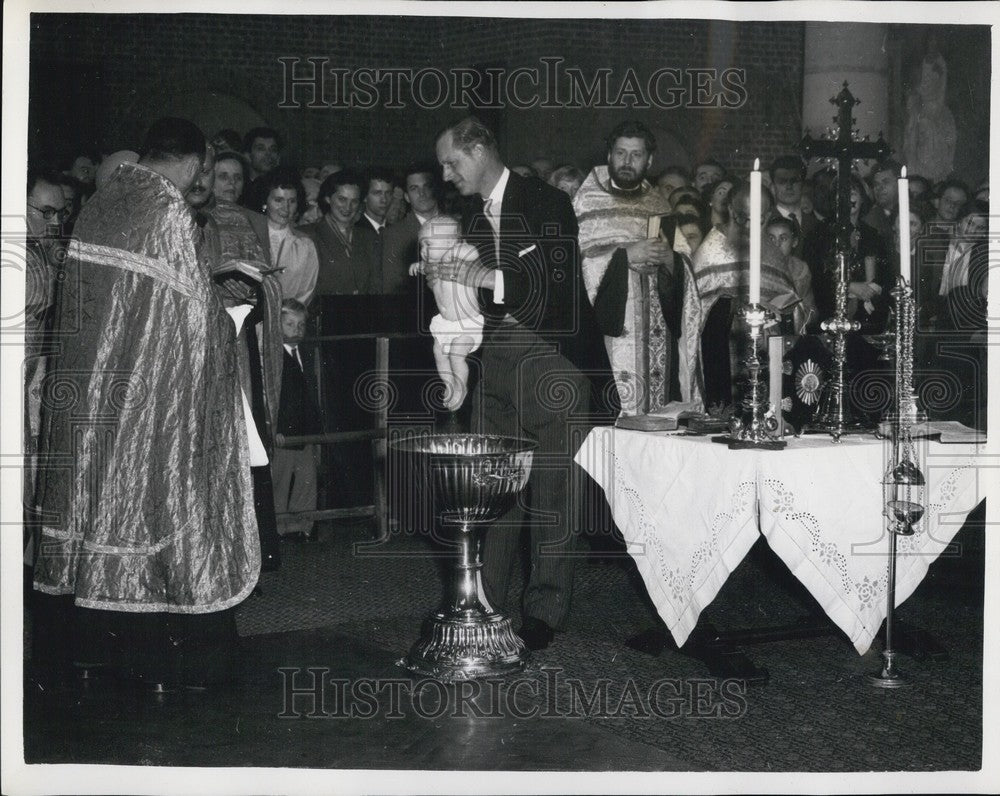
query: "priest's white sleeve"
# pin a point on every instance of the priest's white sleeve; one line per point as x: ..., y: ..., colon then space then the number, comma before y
x: 258, y: 454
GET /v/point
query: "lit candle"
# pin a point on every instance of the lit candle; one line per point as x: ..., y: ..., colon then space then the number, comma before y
x: 755, y: 222
x: 904, y: 226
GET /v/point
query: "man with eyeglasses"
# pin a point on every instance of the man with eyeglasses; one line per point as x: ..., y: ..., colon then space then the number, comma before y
x: 45, y: 209
x: 885, y: 189
x: 787, y: 175
x: 46, y: 204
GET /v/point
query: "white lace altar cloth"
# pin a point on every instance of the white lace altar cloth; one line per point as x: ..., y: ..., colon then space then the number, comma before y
x: 691, y: 509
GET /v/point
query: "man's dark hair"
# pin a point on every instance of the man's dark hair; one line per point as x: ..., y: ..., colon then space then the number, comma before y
x: 951, y: 183
x: 294, y: 305
x: 683, y: 191
x: 702, y: 210
x: 44, y: 173
x: 171, y: 138
x: 468, y: 132
x: 687, y: 218
x: 421, y: 167
x: 382, y: 175
x: 778, y: 220
x: 83, y: 152
x: 227, y: 140
x: 262, y: 132
x: 566, y: 172
x: 710, y: 162
x: 887, y: 165
x: 921, y: 179
x: 332, y: 183
x: 631, y: 129
x: 788, y: 163
x: 710, y: 188
x: 286, y: 178
x: 741, y: 188
x: 680, y: 171
x: 824, y: 173
x: 432, y: 170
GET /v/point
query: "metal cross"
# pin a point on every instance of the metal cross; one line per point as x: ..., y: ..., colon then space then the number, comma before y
x: 845, y: 150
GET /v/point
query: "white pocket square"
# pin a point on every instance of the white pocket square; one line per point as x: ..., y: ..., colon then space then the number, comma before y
x: 530, y: 249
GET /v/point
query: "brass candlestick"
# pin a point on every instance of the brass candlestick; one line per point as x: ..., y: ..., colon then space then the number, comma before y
x: 756, y: 425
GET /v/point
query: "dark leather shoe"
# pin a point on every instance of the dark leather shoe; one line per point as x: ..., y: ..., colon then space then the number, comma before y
x: 536, y: 634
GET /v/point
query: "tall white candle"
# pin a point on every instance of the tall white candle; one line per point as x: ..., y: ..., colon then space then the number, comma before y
x: 755, y: 222
x: 904, y: 226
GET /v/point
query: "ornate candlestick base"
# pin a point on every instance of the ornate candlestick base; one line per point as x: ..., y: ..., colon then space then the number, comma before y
x: 756, y: 424
x: 474, y: 479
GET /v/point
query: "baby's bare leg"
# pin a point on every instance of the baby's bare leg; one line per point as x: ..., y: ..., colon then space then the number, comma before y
x: 444, y: 368
x: 461, y: 347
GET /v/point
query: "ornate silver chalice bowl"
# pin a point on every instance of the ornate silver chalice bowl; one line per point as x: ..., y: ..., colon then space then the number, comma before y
x: 474, y: 479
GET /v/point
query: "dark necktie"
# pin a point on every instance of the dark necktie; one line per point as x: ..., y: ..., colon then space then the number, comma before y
x: 494, y: 222
x: 378, y: 246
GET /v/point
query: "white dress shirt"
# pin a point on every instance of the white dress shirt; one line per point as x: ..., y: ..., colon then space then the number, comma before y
x: 492, y: 208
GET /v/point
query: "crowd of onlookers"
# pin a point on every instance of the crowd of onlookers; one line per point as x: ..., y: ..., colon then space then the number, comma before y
x: 313, y: 214
x: 275, y: 244
x: 332, y: 231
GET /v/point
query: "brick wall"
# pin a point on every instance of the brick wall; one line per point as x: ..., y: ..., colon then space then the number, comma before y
x: 105, y: 77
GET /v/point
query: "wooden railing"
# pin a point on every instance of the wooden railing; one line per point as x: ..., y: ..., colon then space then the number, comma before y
x: 379, y: 509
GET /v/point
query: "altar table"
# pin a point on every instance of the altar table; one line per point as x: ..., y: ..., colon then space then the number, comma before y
x: 690, y: 510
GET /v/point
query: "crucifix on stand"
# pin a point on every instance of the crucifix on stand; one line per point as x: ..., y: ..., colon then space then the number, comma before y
x: 835, y: 416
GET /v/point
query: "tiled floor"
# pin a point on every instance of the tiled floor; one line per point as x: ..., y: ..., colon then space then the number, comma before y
x: 342, y: 620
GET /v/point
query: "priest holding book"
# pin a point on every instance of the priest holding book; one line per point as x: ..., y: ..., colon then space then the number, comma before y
x: 630, y: 270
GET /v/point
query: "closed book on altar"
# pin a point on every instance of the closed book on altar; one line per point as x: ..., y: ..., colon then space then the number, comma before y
x: 666, y: 419
x: 948, y: 432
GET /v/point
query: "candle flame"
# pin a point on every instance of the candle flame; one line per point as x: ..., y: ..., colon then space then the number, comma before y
x: 756, y: 164
x: 902, y: 172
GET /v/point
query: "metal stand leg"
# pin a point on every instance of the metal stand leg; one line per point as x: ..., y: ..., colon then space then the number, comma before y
x: 906, y: 513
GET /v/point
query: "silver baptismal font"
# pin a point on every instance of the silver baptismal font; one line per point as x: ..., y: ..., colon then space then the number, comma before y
x: 473, y: 479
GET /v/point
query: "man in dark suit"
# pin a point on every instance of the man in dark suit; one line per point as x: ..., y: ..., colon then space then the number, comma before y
x: 374, y: 206
x: 530, y: 386
x: 399, y: 242
x: 787, y: 178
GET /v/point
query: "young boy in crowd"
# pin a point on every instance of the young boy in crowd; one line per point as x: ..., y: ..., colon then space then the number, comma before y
x: 458, y: 326
x: 293, y: 469
x: 785, y: 235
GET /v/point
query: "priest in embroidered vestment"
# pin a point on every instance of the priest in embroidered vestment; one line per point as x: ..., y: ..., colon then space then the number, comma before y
x: 148, y: 501
x: 613, y: 207
x: 720, y: 271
